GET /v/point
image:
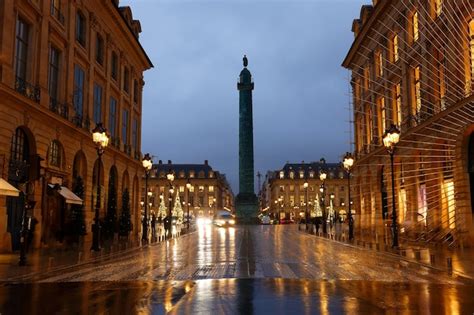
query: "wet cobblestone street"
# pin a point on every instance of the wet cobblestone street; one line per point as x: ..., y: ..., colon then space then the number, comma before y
x: 258, y: 269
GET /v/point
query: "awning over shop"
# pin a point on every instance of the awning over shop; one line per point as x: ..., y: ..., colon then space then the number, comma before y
x: 6, y: 189
x: 68, y: 195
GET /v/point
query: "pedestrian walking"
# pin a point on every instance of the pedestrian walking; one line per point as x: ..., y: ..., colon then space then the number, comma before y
x: 153, y: 225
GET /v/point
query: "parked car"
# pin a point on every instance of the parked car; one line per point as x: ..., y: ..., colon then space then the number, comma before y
x: 265, y: 220
x: 286, y: 221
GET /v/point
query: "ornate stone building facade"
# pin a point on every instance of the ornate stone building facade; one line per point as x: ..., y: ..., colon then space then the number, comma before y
x: 65, y: 66
x: 283, y: 194
x: 209, y: 190
x: 412, y: 65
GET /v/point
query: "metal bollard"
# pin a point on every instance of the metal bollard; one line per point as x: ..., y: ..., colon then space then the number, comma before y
x: 449, y: 262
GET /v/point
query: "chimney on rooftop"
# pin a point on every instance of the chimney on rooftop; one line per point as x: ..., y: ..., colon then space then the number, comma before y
x: 206, y: 162
x: 160, y: 162
x: 169, y: 162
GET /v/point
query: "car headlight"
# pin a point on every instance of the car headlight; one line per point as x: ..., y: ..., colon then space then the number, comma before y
x: 232, y: 221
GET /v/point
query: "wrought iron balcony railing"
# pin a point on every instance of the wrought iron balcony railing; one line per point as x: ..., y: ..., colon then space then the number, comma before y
x: 127, y: 149
x: 62, y: 109
x: 27, y: 89
x: 81, y: 122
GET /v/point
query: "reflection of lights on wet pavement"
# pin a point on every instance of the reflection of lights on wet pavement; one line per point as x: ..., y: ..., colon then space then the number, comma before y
x: 202, y: 222
x: 218, y: 269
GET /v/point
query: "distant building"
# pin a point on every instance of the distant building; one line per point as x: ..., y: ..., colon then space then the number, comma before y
x: 412, y: 65
x: 65, y: 66
x: 209, y: 190
x: 283, y: 194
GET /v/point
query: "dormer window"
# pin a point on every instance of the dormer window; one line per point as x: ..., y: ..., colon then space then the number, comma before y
x: 99, y: 49
x: 81, y: 28
x: 114, y: 66
x: 292, y: 175
x: 126, y: 80
x: 282, y: 174
x: 301, y: 174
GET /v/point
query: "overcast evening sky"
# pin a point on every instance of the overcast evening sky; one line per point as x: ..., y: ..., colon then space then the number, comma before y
x: 295, y: 50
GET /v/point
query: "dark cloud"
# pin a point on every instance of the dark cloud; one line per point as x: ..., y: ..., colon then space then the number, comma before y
x: 295, y: 49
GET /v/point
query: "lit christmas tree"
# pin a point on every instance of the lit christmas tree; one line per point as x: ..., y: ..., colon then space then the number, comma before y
x: 162, y: 210
x: 177, y: 209
x: 316, y: 212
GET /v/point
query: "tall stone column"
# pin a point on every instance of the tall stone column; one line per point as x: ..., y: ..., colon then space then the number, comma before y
x: 246, y: 201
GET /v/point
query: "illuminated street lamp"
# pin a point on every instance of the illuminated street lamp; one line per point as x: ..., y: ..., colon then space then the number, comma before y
x: 101, y: 141
x: 390, y: 139
x: 348, y: 162
x: 147, y: 165
x: 305, y: 186
x: 188, y: 187
x: 322, y: 189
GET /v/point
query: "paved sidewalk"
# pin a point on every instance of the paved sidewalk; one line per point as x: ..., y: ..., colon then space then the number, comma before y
x: 459, y: 261
x: 48, y: 259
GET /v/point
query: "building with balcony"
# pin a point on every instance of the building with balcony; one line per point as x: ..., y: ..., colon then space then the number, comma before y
x: 283, y: 193
x: 64, y: 67
x: 412, y: 65
x: 208, y: 189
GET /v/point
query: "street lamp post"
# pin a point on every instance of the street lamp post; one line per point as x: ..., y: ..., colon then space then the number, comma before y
x: 390, y: 140
x: 170, y: 177
x: 348, y: 162
x: 188, y: 187
x: 305, y: 186
x: 101, y: 140
x: 322, y: 189
x: 147, y: 165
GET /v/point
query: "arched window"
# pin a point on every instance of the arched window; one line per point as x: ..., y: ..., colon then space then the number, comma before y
x: 292, y: 175
x: 19, y: 150
x: 55, y: 154
x: 201, y: 174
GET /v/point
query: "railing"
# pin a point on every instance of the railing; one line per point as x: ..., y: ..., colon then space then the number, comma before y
x: 81, y: 122
x: 62, y: 109
x: 127, y: 149
x: 115, y: 142
x: 27, y: 89
x: 56, y: 12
